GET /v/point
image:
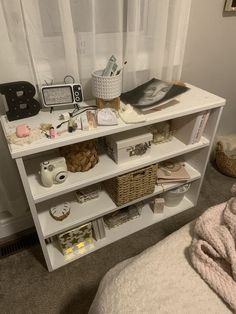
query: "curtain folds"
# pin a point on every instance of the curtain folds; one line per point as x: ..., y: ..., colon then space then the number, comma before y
x: 43, y: 41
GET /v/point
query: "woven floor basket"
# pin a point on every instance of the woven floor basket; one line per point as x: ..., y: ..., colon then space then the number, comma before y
x: 225, y: 163
x: 130, y: 186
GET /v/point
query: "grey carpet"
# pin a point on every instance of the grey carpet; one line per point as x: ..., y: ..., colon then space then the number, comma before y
x: 27, y: 287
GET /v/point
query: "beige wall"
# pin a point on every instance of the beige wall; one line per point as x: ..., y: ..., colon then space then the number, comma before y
x: 210, y: 57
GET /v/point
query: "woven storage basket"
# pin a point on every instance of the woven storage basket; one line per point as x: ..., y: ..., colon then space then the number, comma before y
x: 225, y: 163
x: 106, y: 87
x: 130, y: 186
x: 80, y: 156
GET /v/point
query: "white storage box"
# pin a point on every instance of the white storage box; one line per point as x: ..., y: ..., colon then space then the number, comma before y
x: 130, y: 145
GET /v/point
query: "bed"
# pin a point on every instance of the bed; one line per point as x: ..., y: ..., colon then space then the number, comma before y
x: 159, y: 280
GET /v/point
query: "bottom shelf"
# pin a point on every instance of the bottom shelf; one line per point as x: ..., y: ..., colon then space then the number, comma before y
x: 147, y: 218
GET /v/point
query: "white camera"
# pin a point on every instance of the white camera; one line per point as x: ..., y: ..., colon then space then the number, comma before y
x: 53, y: 171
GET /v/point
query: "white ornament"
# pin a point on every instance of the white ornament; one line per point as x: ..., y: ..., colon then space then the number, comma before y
x: 60, y: 211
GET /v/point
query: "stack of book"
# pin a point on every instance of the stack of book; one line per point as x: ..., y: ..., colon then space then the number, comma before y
x: 189, y: 129
x: 172, y: 171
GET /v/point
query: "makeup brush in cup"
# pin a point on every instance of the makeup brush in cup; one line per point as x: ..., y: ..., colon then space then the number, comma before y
x: 118, y: 72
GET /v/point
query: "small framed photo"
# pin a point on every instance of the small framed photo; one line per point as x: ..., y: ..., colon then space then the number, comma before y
x: 230, y: 6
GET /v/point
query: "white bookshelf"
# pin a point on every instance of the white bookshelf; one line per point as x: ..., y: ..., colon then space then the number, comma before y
x: 28, y: 158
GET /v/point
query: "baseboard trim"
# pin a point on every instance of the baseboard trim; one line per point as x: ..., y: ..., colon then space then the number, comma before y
x: 14, y: 225
x: 18, y: 242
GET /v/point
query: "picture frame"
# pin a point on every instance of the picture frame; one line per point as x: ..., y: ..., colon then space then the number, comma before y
x: 230, y: 6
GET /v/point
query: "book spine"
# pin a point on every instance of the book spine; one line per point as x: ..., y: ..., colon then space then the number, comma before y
x: 201, y: 127
x: 96, y: 229
x: 195, y: 128
x: 101, y: 227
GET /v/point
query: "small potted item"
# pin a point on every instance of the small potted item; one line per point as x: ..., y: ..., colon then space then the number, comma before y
x: 72, y: 126
x: 107, y: 85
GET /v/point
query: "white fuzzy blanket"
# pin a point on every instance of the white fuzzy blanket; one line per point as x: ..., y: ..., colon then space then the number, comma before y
x: 213, y: 250
x: 159, y: 280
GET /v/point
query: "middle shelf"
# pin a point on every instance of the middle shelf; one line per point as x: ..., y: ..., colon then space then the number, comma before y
x: 105, y: 169
x: 81, y: 213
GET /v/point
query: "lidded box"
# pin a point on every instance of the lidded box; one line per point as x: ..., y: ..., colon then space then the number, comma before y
x: 76, y: 238
x: 129, y: 145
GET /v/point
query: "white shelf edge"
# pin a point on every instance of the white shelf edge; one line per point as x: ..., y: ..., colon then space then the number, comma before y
x: 12, y: 224
x: 193, y: 101
x: 170, y: 150
x: 147, y: 219
x: 89, y: 211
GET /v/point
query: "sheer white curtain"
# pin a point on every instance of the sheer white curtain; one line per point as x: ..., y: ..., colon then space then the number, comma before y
x: 78, y: 36
x: 44, y: 41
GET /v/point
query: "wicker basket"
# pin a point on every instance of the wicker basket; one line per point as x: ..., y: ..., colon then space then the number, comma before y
x: 80, y: 156
x: 132, y: 185
x: 225, y: 163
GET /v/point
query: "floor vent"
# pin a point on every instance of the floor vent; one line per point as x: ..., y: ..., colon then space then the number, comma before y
x: 17, y: 245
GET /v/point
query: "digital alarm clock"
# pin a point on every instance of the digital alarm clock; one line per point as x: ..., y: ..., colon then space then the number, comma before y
x: 61, y: 95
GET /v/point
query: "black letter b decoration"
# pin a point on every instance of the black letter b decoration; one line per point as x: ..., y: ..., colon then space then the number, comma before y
x: 20, y: 100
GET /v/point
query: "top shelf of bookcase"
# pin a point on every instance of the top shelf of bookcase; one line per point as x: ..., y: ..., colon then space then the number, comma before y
x: 194, y: 100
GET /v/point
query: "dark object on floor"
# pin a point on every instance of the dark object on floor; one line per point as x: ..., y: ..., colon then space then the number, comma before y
x: 15, y: 244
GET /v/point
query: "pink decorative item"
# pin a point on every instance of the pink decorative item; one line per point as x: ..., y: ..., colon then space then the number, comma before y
x: 52, y: 133
x: 23, y: 130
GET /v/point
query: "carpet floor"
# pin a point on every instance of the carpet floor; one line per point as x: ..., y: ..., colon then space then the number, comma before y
x: 27, y: 287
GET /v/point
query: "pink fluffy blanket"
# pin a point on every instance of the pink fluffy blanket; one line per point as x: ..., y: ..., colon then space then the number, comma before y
x: 213, y: 250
